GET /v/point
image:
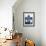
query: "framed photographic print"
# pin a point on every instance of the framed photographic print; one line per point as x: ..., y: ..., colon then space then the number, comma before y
x: 29, y: 19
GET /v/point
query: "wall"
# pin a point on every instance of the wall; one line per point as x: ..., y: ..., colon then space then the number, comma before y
x: 43, y: 22
x: 6, y: 13
x: 28, y: 32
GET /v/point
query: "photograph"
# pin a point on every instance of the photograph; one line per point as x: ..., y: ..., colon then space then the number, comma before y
x: 28, y: 19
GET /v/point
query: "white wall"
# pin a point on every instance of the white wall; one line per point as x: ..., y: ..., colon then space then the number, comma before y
x: 43, y: 22
x: 6, y: 13
x: 28, y: 32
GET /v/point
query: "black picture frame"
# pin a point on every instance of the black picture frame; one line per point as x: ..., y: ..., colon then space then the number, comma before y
x: 28, y: 19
